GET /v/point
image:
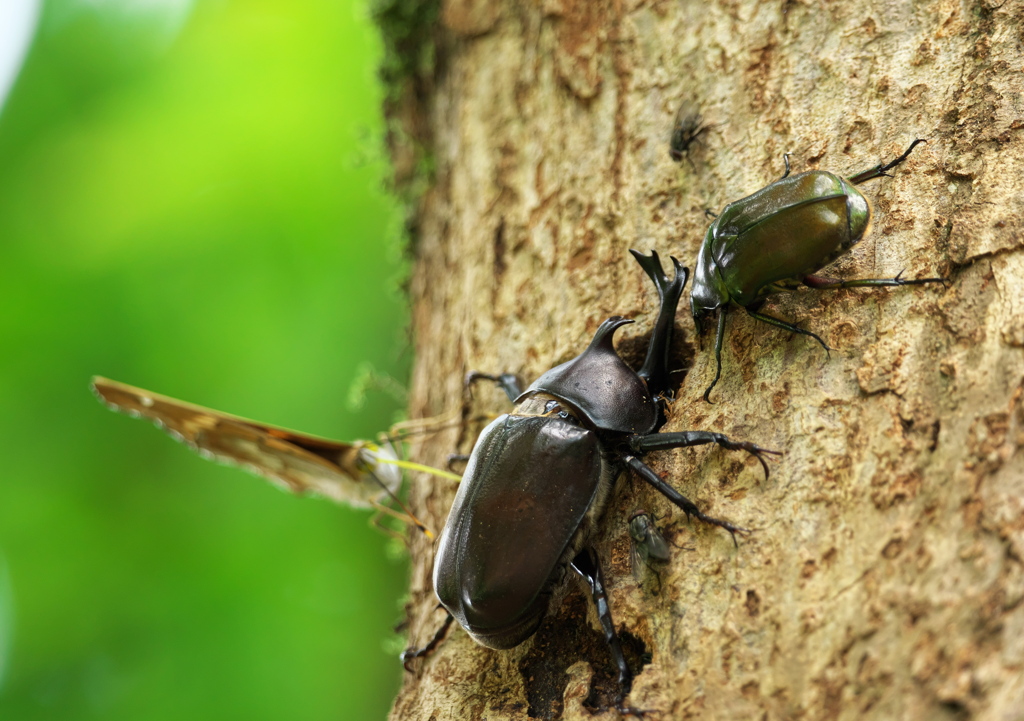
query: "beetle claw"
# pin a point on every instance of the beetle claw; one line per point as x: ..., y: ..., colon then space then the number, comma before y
x: 899, y: 280
x: 785, y: 158
x: 733, y: 530
x: 408, y: 655
x: 454, y: 459
x: 508, y: 382
x: 826, y: 346
x: 756, y: 451
x: 752, y: 449
x: 725, y: 525
x: 879, y: 170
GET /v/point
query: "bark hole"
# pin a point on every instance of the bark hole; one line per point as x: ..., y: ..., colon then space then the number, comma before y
x: 564, y: 639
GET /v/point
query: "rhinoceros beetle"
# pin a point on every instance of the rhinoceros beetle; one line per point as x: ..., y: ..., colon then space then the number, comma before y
x: 539, y: 478
x: 774, y: 240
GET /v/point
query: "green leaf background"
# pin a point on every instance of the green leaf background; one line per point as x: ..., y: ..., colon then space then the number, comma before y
x: 192, y: 201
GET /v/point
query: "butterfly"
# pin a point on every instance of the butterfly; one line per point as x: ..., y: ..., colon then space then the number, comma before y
x: 358, y: 474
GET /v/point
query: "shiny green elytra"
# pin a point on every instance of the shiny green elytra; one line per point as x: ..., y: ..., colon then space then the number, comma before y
x: 774, y: 240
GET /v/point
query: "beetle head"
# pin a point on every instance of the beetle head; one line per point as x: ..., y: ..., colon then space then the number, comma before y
x: 605, y: 392
x: 708, y: 292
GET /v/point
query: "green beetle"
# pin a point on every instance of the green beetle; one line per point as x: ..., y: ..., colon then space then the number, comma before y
x: 774, y: 240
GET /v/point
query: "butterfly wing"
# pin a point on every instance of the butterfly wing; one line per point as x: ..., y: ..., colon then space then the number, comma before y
x: 352, y: 473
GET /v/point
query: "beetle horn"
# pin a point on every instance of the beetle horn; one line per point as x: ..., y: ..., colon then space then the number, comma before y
x: 605, y: 333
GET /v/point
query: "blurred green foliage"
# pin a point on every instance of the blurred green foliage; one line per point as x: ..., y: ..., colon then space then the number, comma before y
x: 195, y: 208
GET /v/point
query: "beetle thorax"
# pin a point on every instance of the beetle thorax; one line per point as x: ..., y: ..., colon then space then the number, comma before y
x: 546, y: 405
x: 603, y: 392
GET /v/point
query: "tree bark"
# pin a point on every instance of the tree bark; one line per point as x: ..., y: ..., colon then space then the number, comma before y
x: 883, y: 578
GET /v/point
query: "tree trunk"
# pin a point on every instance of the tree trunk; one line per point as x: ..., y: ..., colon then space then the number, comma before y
x: 883, y: 578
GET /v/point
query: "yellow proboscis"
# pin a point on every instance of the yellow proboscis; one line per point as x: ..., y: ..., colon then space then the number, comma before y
x: 409, y: 465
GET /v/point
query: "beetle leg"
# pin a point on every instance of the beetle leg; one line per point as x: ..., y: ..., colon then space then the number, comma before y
x: 587, y: 566
x: 410, y: 653
x: 788, y: 326
x: 814, y: 281
x: 785, y: 158
x: 645, y: 472
x: 719, y: 339
x: 880, y: 170
x: 686, y: 439
x: 506, y: 381
x: 456, y: 458
x: 655, y: 369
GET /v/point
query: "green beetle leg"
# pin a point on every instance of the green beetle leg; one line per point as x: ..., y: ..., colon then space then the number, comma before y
x: 719, y: 338
x: 787, y: 326
x: 785, y: 159
x: 814, y: 281
x: 880, y: 170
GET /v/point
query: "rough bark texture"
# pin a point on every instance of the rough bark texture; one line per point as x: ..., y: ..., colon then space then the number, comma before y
x: 884, y: 575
